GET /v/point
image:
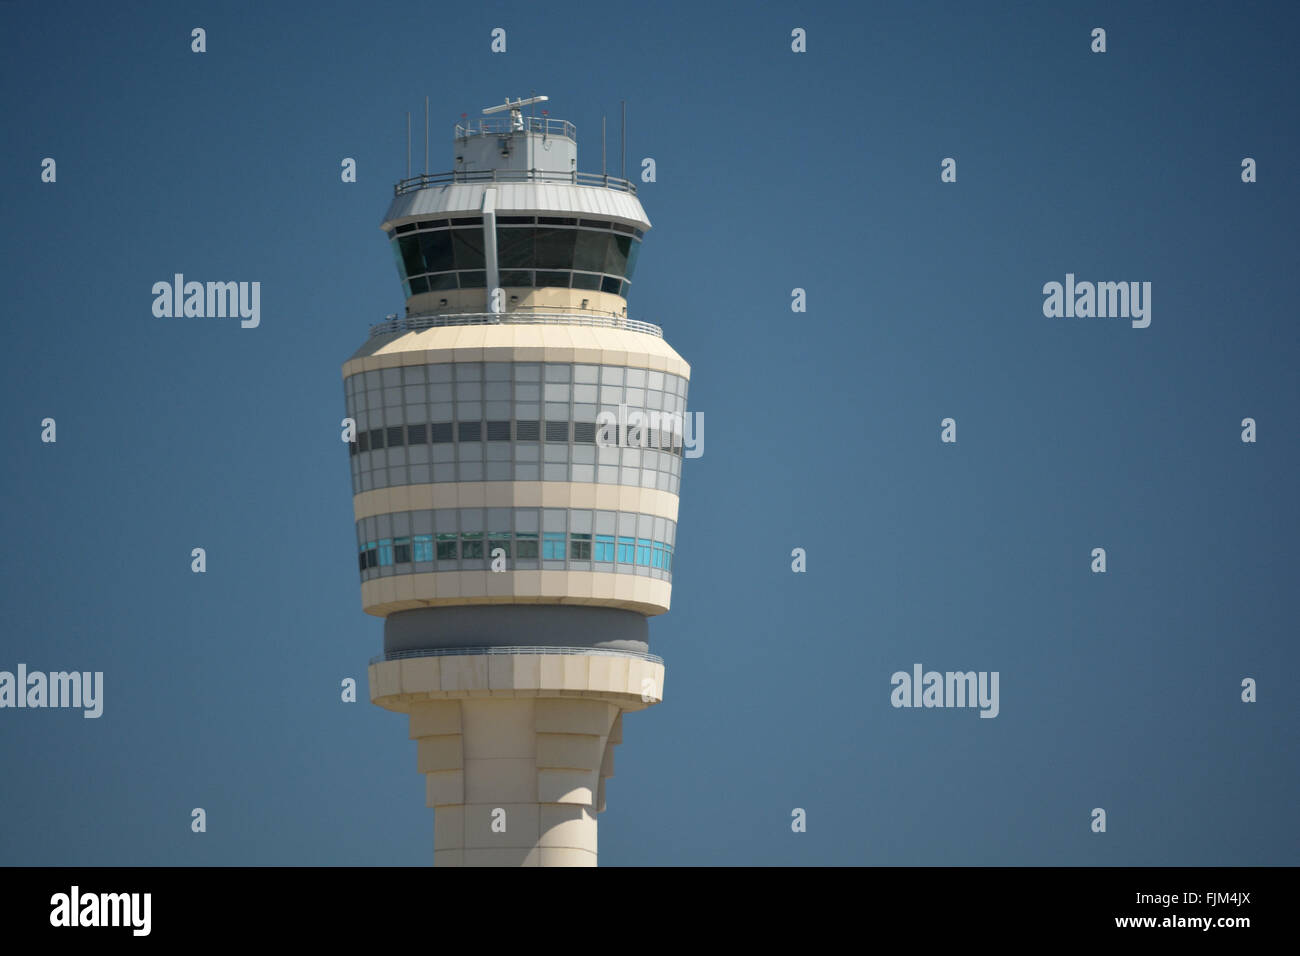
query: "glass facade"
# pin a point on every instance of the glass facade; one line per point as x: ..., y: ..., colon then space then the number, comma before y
x: 503, y: 421
x: 463, y: 539
x: 532, y: 252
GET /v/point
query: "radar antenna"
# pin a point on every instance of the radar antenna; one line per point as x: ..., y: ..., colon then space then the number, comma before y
x: 515, y: 108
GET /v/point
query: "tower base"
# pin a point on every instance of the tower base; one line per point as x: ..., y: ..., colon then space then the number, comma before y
x: 516, y: 746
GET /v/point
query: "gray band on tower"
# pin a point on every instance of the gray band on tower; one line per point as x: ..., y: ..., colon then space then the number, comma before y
x: 514, y: 625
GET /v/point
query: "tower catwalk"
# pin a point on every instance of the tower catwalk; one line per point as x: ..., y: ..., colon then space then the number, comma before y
x: 513, y: 542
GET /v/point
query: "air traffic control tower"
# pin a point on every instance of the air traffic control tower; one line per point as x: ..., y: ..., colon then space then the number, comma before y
x: 514, y: 549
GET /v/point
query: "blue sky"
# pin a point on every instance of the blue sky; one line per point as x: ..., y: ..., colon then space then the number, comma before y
x: 775, y: 171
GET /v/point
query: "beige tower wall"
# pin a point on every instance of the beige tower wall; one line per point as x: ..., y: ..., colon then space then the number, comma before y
x: 516, y: 748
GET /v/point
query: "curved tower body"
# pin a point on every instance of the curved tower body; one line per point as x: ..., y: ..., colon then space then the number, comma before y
x: 513, y: 540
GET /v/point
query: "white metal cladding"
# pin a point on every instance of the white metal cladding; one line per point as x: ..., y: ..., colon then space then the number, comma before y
x: 540, y: 198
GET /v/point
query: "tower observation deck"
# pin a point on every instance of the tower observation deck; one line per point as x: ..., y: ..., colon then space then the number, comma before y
x: 513, y: 546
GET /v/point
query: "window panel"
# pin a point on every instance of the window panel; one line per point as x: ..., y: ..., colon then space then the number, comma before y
x: 499, y: 540
x: 604, y: 548
x: 616, y: 253
x: 552, y: 280
x: 580, y: 547
x: 526, y: 546
x: 625, y: 550
x: 435, y: 248
x: 447, y: 547
x: 422, y: 547
x: 467, y: 248
x: 402, y: 550
x: 409, y: 256
x: 590, y: 250
x: 471, y: 545
x: 385, y: 552
x: 554, y: 248
x: 643, y: 551
x: 515, y: 247
x: 553, y: 546
x: 633, y: 251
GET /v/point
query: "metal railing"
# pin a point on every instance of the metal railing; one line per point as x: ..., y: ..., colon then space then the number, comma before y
x: 574, y: 178
x: 497, y: 125
x: 516, y: 649
x: 417, y: 323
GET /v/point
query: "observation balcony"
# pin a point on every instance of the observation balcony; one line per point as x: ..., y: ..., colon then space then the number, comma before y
x: 426, y: 180
x: 504, y: 125
x: 418, y: 323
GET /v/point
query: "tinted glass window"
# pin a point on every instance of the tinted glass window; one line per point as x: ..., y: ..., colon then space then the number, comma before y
x: 554, y: 248
x: 435, y: 247
x: 515, y: 247
x: 631, y: 259
x: 616, y: 255
x: 467, y: 247
x: 555, y: 280
x: 590, y: 250
x: 412, y: 261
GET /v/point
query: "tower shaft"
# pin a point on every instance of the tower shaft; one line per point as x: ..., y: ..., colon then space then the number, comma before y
x: 515, y: 747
